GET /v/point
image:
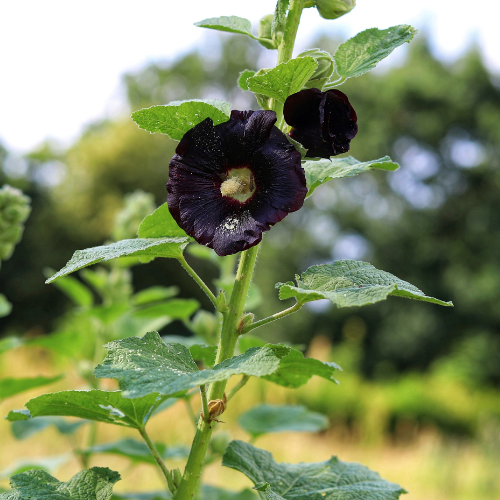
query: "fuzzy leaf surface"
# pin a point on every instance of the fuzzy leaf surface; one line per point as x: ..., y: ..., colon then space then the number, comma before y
x: 284, y: 80
x: 89, y: 484
x: 160, y: 224
x: 147, y: 365
x: 139, y: 247
x: 137, y: 451
x: 321, y: 171
x: 281, y: 418
x: 101, y: 406
x: 177, y: 117
x: 231, y: 24
x: 329, y: 480
x: 11, y: 386
x: 364, y: 51
x: 348, y: 283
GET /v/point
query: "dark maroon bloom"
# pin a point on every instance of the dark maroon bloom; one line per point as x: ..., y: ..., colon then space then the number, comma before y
x: 323, y: 122
x: 230, y: 182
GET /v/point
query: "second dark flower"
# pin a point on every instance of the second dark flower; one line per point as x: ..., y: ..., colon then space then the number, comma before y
x: 323, y: 122
x: 231, y: 182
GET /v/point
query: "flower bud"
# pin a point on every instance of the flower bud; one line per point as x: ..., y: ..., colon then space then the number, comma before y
x: 176, y: 477
x: 332, y: 9
x: 219, y: 443
x: 324, y: 69
x: 14, y: 210
x: 137, y: 206
x: 265, y: 32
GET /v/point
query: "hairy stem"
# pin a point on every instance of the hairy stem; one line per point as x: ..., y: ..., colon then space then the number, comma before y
x: 204, y: 402
x: 274, y: 317
x: 227, y: 345
x: 159, y: 460
x: 198, y: 280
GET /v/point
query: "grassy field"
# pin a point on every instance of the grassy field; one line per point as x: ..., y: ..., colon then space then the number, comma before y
x: 429, y: 464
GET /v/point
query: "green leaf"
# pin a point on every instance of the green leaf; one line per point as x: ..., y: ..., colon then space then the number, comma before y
x: 213, y: 493
x: 147, y: 365
x: 295, y: 370
x: 242, y: 79
x: 177, y: 117
x: 149, y: 495
x: 350, y: 283
x: 89, y: 484
x: 270, y: 418
x: 148, y: 247
x: 23, y: 429
x: 49, y: 464
x: 11, y: 386
x: 137, y: 451
x: 101, y: 406
x: 285, y: 79
x: 5, y: 306
x: 320, y: 171
x: 231, y: 24
x: 329, y: 480
x: 364, y: 51
x: 175, y: 309
x: 66, y: 343
x: 160, y: 224
x: 74, y: 289
x: 154, y: 294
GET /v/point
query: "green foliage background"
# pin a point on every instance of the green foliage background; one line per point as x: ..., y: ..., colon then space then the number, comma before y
x: 434, y: 223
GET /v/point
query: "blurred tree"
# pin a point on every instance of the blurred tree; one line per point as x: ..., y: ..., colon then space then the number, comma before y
x: 433, y: 223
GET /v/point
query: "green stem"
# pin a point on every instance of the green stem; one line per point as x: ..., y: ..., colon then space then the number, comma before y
x: 204, y: 402
x: 238, y: 386
x: 198, y: 280
x: 272, y: 318
x: 227, y: 345
x: 159, y: 460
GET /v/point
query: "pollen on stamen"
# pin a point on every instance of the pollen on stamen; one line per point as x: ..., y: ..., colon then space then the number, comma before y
x: 232, y: 186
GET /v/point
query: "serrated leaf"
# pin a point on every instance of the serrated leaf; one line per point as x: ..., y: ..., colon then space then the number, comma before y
x: 154, y: 294
x: 5, y: 306
x: 295, y: 370
x: 213, y: 493
x: 89, y: 484
x: 101, y: 406
x: 242, y: 79
x: 147, y: 247
x: 160, y: 224
x: 364, y: 51
x: 147, y: 365
x: 231, y: 24
x: 348, y: 283
x: 23, y: 429
x: 137, y: 451
x: 271, y: 418
x: 321, y: 171
x: 329, y: 480
x: 285, y: 79
x: 11, y: 386
x: 177, y: 117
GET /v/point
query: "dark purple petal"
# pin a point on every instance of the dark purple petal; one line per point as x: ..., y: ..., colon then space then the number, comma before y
x: 203, y: 160
x: 323, y: 122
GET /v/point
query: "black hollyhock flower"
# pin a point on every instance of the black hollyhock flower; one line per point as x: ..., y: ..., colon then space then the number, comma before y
x: 230, y: 182
x: 323, y: 122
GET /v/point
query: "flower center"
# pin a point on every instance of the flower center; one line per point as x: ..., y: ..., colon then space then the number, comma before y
x: 239, y: 184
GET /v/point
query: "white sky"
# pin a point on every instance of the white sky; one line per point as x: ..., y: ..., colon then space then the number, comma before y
x: 61, y: 60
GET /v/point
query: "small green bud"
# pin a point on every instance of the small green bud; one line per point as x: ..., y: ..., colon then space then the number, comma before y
x: 265, y: 33
x: 219, y: 443
x: 332, y: 9
x: 137, y: 206
x: 176, y: 477
x: 245, y: 320
x: 14, y: 210
x: 205, y: 325
x: 324, y: 69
